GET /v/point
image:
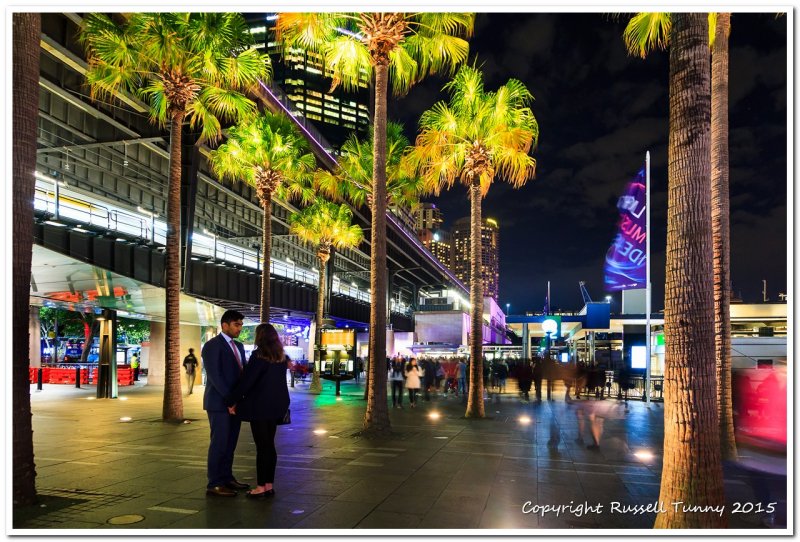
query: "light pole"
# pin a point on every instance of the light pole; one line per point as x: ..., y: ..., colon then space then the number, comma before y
x: 508, y: 309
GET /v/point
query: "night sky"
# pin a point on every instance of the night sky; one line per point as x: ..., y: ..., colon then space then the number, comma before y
x: 599, y: 110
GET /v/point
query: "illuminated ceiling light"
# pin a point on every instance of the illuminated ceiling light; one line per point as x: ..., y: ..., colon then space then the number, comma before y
x: 53, y: 223
x: 354, y: 285
x: 320, y: 431
x: 126, y: 419
x: 289, y: 261
x: 524, y: 420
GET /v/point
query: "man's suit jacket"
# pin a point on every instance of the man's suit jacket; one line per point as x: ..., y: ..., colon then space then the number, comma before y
x: 222, y: 371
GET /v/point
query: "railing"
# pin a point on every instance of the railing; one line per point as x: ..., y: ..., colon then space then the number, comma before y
x: 73, y: 206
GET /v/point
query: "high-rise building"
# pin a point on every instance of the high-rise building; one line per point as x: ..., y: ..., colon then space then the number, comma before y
x: 439, y: 243
x: 429, y: 217
x: 302, y: 76
x: 490, y: 264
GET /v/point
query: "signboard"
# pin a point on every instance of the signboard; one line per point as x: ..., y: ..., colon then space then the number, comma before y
x: 626, y: 258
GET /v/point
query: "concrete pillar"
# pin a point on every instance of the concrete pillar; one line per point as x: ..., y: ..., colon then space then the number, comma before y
x: 35, y: 342
x: 156, y: 354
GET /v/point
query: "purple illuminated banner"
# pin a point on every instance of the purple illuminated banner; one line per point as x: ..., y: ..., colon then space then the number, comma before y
x: 626, y: 258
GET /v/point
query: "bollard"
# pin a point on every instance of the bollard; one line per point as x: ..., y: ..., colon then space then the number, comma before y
x: 39, y: 379
x: 77, y: 376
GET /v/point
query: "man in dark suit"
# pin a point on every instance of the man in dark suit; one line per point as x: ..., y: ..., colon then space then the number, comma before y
x: 223, y: 359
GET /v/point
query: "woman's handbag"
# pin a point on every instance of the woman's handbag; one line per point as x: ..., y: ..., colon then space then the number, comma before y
x: 287, y: 418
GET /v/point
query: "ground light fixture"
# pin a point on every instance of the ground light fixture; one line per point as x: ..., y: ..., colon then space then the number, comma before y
x: 320, y: 431
x: 524, y: 420
x: 126, y: 419
x: 122, y: 398
x: 434, y: 415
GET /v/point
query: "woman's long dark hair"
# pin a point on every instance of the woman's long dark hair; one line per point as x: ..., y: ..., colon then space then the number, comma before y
x: 268, y: 344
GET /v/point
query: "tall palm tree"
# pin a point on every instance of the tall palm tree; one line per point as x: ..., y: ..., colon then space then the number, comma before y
x: 692, y: 470
x: 325, y: 225
x: 476, y: 137
x: 645, y: 32
x: 356, y: 47
x: 26, y: 32
x: 721, y: 233
x: 271, y: 155
x: 352, y: 181
x: 193, y: 66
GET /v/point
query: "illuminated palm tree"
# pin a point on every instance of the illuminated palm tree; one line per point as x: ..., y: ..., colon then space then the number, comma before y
x: 325, y: 225
x: 352, y: 179
x: 692, y: 464
x: 403, y: 47
x: 26, y: 34
x: 271, y: 155
x: 193, y: 66
x: 475, y: 138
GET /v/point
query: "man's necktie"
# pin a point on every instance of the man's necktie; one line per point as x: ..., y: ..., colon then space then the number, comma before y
x: 236, y: 354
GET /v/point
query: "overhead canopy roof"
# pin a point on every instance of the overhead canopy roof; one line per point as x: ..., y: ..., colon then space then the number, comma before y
x: 60, y: 281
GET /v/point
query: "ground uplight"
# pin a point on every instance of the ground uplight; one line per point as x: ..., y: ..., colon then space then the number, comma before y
x: 644, y: 455
x: 434, y: 415
x: 125, y: 419
x: 122, y: 398
x: 320, y: 431
x: 524, y: 420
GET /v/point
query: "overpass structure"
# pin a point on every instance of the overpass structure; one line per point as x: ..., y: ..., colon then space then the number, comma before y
x: 102, y: 171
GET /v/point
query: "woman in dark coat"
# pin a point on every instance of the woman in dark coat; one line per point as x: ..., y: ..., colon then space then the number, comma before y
x: 262, y: 398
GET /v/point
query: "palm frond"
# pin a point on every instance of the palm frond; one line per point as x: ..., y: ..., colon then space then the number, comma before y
x: 646, y: 32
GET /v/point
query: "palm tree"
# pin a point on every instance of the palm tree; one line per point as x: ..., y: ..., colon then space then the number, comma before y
x: 475, y: 138
x: 26, y: 32
x: 721, y: 233
x: 192, y: 66
x: 325, y: 225
x: 692, y: 470
x: 405, y: 47
x: 352, y: 181
x: 271, y: 155
x: 647, y: 31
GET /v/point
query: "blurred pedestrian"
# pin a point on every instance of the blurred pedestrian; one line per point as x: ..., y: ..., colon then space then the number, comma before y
x: 135, y: 367
x: 261, y: 397
x: 501, y: 374
x: 396, y: 377
x: 538, y: 373
x: 525, y: 378
x: 190, y: 366
x: 461, y: 376
x: 440, y: 375
x: 428, y: 377
x: 413, y: 381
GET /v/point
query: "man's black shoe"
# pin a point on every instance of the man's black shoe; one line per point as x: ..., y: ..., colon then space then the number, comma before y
x: 220, y: 491
x: 234, y: 484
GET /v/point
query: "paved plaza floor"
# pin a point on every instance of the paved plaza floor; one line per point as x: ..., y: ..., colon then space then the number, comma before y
x: 95, y: 471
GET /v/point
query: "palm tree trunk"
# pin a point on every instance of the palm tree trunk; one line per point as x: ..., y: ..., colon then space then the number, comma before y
x: 721, y: 234
x: 316, y: 383
x: 692, y: 471
x: 173, y: 402
x: 376, y: 418
x: 25, y: 65
x: 475, y: 395
x: 266, y: 247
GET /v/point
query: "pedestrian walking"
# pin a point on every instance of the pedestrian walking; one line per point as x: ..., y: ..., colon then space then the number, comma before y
x: 396, y: 377
x: 190, y: 366
x: 525, y: 378
x: 428, y: 377
x: 501, y: 374
x: 538, y: 373
x: 223, y: 363
x: 135, y: 367
x: 461, y: 376
x: 261, y: 397
x: 413, y: 381
x: 440, y: 375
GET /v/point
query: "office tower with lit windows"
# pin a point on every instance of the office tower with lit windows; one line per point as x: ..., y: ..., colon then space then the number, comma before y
x: 337, y: 112
x: 428, y: 217
x: 490, y: 265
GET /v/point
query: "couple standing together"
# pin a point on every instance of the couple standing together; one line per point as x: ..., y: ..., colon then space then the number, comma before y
x: 239, y: 390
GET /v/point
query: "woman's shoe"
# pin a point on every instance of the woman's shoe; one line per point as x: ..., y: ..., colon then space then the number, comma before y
x: 260, y: 495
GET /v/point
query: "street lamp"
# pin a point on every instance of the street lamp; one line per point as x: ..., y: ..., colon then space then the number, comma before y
x: 508, y: 309
x: 608, y: 299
